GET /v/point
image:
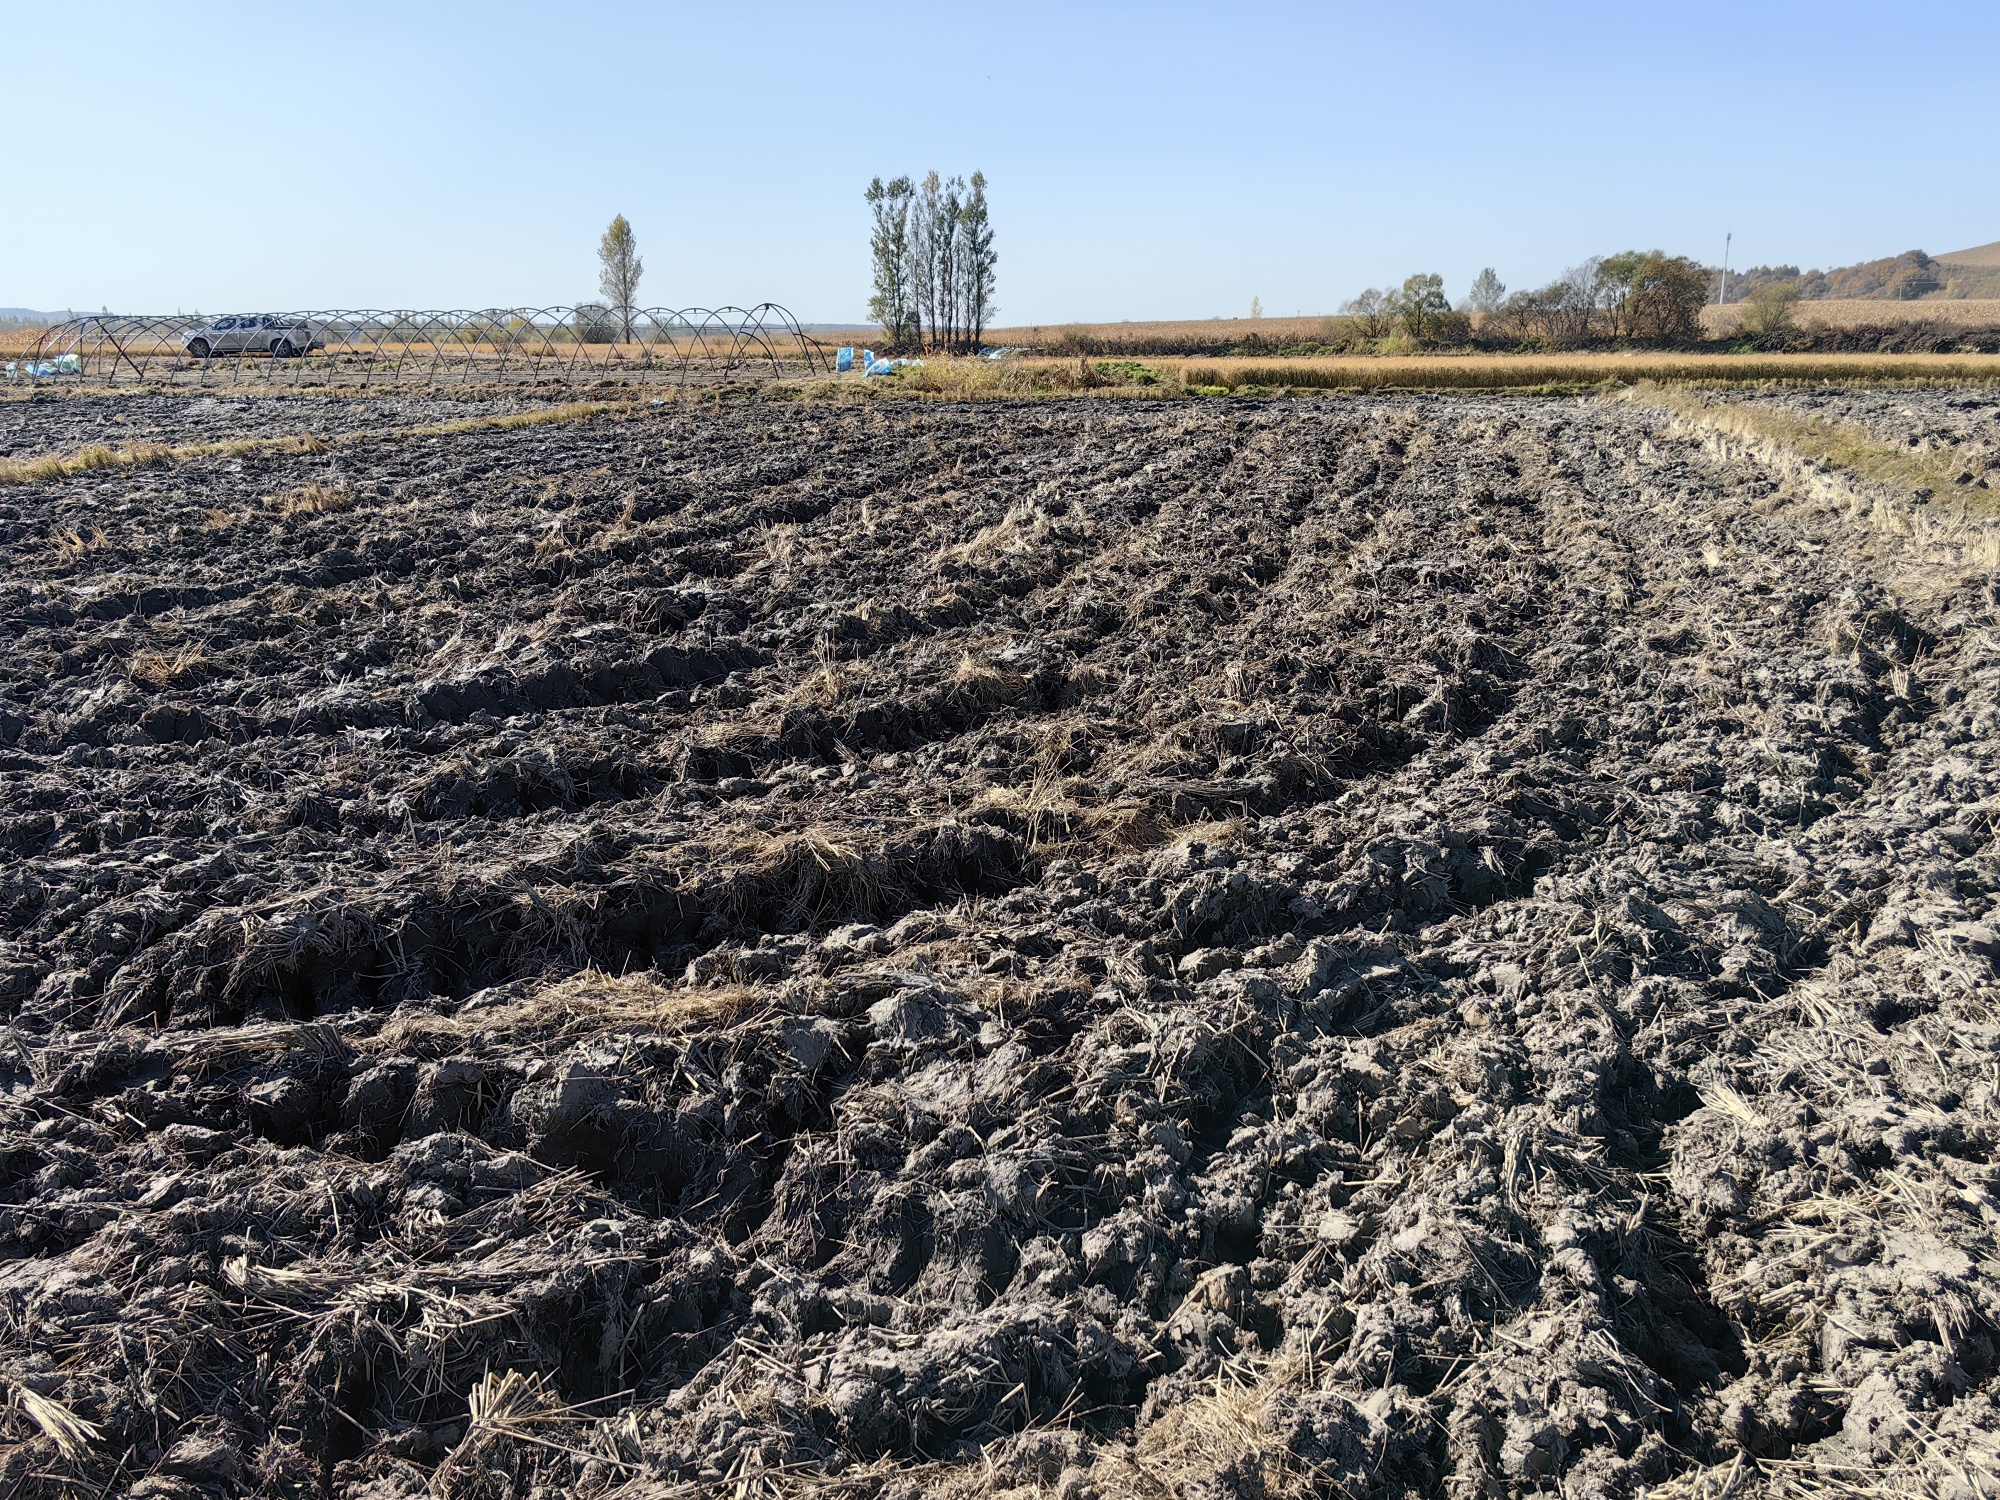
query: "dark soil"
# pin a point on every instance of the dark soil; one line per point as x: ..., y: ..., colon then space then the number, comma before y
x: 57, y: 424
x: 1378, y: 946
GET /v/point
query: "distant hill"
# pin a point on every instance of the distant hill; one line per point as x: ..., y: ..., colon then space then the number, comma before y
x: 1910, y: 277
x: 1979, y: 258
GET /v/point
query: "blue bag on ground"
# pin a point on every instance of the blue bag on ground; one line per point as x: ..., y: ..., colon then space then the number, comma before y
x: 844, y: 360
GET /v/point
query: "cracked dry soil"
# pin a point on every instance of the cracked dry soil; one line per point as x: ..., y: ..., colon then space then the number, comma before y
x: 1392, y: 946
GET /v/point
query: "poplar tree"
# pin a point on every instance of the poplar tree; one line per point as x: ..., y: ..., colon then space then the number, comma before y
x: 892, y: 305
x: 932, y: 248
x: 976, y: 260
x: 934, y: 251
x: 619, y: 281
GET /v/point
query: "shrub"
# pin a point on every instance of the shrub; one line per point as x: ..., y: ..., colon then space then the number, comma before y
x: 595, y: 324
x: 1769, y: 310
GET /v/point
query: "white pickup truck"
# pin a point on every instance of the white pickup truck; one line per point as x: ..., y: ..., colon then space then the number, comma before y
x: 253, y: 333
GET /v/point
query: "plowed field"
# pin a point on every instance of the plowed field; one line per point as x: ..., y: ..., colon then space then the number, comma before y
x: 1382, y: 946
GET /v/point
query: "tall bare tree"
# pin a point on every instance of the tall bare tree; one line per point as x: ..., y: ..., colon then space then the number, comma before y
x: 933, y: 252
x: 894, y: 302
x: 934, y: 249
x: 1488, y: 292
x: 976, y: 262
x: 1371, y: 311
x: 619, y: 281
x: 1561, y: 314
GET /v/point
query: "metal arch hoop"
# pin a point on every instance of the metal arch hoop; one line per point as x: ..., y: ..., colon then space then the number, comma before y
x: 370, y: 346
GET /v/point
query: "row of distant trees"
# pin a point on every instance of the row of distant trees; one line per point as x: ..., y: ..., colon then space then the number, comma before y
x: 1645, y: 296
x: 932, y: 247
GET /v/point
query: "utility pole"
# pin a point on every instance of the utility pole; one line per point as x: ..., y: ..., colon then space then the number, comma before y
x: 1724, y: 297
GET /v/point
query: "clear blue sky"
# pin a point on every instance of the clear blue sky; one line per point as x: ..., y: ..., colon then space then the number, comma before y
x: 1146, y: 160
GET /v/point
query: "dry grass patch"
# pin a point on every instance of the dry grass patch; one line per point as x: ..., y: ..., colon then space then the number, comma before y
x: 1170, y: 376
x: 71, y: 544
x: 803, y: 877
x: 312, y: 500
x: 831, y: 680
x: 157, y: 669
x: 942, y: 378
x: 1308, y: 328
x: 51, y: 466
x: 56, y: 1422
x: 988, y: 681
x: 1043, y: 810
x: 1025, y: 527
x: 1835, y: 447
x: 587, y: 1004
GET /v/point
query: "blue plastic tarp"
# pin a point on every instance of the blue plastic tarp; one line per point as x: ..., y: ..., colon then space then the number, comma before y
x: 28, y: 369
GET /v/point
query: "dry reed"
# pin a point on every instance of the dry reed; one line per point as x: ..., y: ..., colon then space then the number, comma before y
x: 1857, y: 312
x: 1517, y: 372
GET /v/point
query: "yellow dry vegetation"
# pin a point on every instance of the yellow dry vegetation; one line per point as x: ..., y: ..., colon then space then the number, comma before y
x: 589, y: 1003
x: 1305, y: 329
x: 157, y: 669
x: 575, y: 411
x: 146, y: 455
x: 1870, y: 312
x: 988, y: 681
x: 1834, y: 447
x: 1324, y: 328
x: 1028, y: 377
x: 1532, y: 371
x: 312, y: 500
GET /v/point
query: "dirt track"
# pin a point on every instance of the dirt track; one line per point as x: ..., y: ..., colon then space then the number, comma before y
x: 1406, y: 945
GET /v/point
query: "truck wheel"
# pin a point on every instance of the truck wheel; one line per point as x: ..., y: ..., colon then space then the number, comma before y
x: 283, y: 350
x: 199, y: 349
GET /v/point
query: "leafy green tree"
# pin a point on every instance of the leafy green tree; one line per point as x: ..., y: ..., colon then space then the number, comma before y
x: 1421, y: 306
x: 1653, y: 296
